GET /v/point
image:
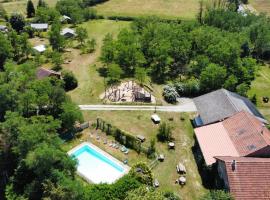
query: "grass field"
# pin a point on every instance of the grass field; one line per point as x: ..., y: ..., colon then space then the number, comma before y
x: 261, y: 87
x: 85, y: 67
x: 139, y: 122
x: 20, y: 5
x: 261, y: 5
x: 185, y: 9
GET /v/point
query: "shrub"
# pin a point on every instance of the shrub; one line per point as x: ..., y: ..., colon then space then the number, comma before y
x: 189, y: 88
x: 151, y: 149
x: 142, y: 173
x: 217, y: 195
x: 70, y: 81
x: 164, y: 132
x: 170, y: 94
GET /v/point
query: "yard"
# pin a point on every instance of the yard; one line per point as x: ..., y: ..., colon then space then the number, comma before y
x: 261, y: 5
x: 139, y: 122
x: 261, y: 87
x: 85, y: 67
x: 20, y: 5
x: 164, y: 8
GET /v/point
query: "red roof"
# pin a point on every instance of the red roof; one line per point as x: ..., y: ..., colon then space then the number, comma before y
x: 250, y: 179
x: 43, y: 72
x: 247, y: 133
x: 240, y: 135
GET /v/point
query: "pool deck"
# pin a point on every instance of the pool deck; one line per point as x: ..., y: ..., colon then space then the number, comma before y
x: 125, y: 167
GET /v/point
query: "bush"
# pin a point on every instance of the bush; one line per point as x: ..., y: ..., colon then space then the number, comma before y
x: 217, y: 195
x: 189, y: 88
x: 151, y: 149
x: 70, y: 81
x: 164, y: 132
x: 170, y: 94
x: 142, y: 173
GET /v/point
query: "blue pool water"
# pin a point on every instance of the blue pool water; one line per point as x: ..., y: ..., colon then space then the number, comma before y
x: 96, y: 166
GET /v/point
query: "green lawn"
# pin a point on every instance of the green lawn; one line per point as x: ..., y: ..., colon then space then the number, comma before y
x: 20, y: 5
x: 139, y: 122
x: 261, y: 87
x: 185, y: 9
x: 85, y: 67
x: 261, y: 5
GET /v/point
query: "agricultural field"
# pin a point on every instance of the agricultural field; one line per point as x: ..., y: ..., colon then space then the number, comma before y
x: 261, y: 5
x: 20, y: 5
x: 139, y: 122
x: 164, y: 8
x: 261, y: 87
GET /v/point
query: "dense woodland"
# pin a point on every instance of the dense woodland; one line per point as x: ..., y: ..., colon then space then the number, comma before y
x: 220, y: 49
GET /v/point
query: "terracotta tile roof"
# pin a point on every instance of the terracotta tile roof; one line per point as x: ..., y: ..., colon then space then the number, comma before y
x: 240, y: 135
x: 43, y: 72
x: 250, y: 179
x: 247, y: 133
x: 214, y: 141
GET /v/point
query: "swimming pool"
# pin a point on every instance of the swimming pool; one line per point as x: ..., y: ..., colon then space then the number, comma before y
x: 97, y: 166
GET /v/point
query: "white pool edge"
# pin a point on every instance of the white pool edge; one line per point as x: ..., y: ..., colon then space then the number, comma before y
x: 109, y: 156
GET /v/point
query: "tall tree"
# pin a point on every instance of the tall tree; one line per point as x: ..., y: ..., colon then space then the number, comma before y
x: 81, y: 35
x: 17, y: 22
x: 5, y: 49
x: 140, y: 74
x: 56, y: 39
x: 30, y: 9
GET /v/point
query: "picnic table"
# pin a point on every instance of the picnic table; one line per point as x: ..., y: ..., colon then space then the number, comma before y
x: 181, y: 168
x: 141, y: 138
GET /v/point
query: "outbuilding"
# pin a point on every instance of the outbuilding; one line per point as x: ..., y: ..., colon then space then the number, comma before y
x: 40, y: 26
x: 40, y: 48
x: 68, y: 32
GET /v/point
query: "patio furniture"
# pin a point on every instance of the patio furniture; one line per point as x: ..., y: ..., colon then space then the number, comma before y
x: 125, y: 161
x: 182, y: 180
x: 126, y: 152
x: 171, y: 145
x: 161, y: 157
x: 181, y: 168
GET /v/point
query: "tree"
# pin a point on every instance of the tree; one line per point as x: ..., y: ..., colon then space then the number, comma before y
x: 42, y: 3
x: 212, y: 77
x: 164, y: 132
x: 30, y: 10
x: 107, y: 49
x: 140, y: 74
x: 231, y: 83
x: 242, y: 89
x: 145, y: 194
x: 142, y: 173
x: 170, y: 94
x: 70, y: 114
x: 57, y: 60
x: 17, y: 22
x: 5, y: 49
x: 114, y: 73
x: 70, y: 81
x: 152, y: 148
x: 56, y: 39
x: 81, y: 35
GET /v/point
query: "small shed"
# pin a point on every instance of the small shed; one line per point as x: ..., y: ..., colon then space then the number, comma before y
x: 65, y: 18
x: 155, y: 118
x: 68, y: 32
x: 40, y: 26
x: 43, y: 73
x: 40, y: 48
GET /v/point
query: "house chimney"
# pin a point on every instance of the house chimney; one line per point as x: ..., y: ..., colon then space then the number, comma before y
x: 233, y: 165
x: 263, y: 126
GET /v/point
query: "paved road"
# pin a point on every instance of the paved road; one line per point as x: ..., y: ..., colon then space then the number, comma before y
x: 184, y: 107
